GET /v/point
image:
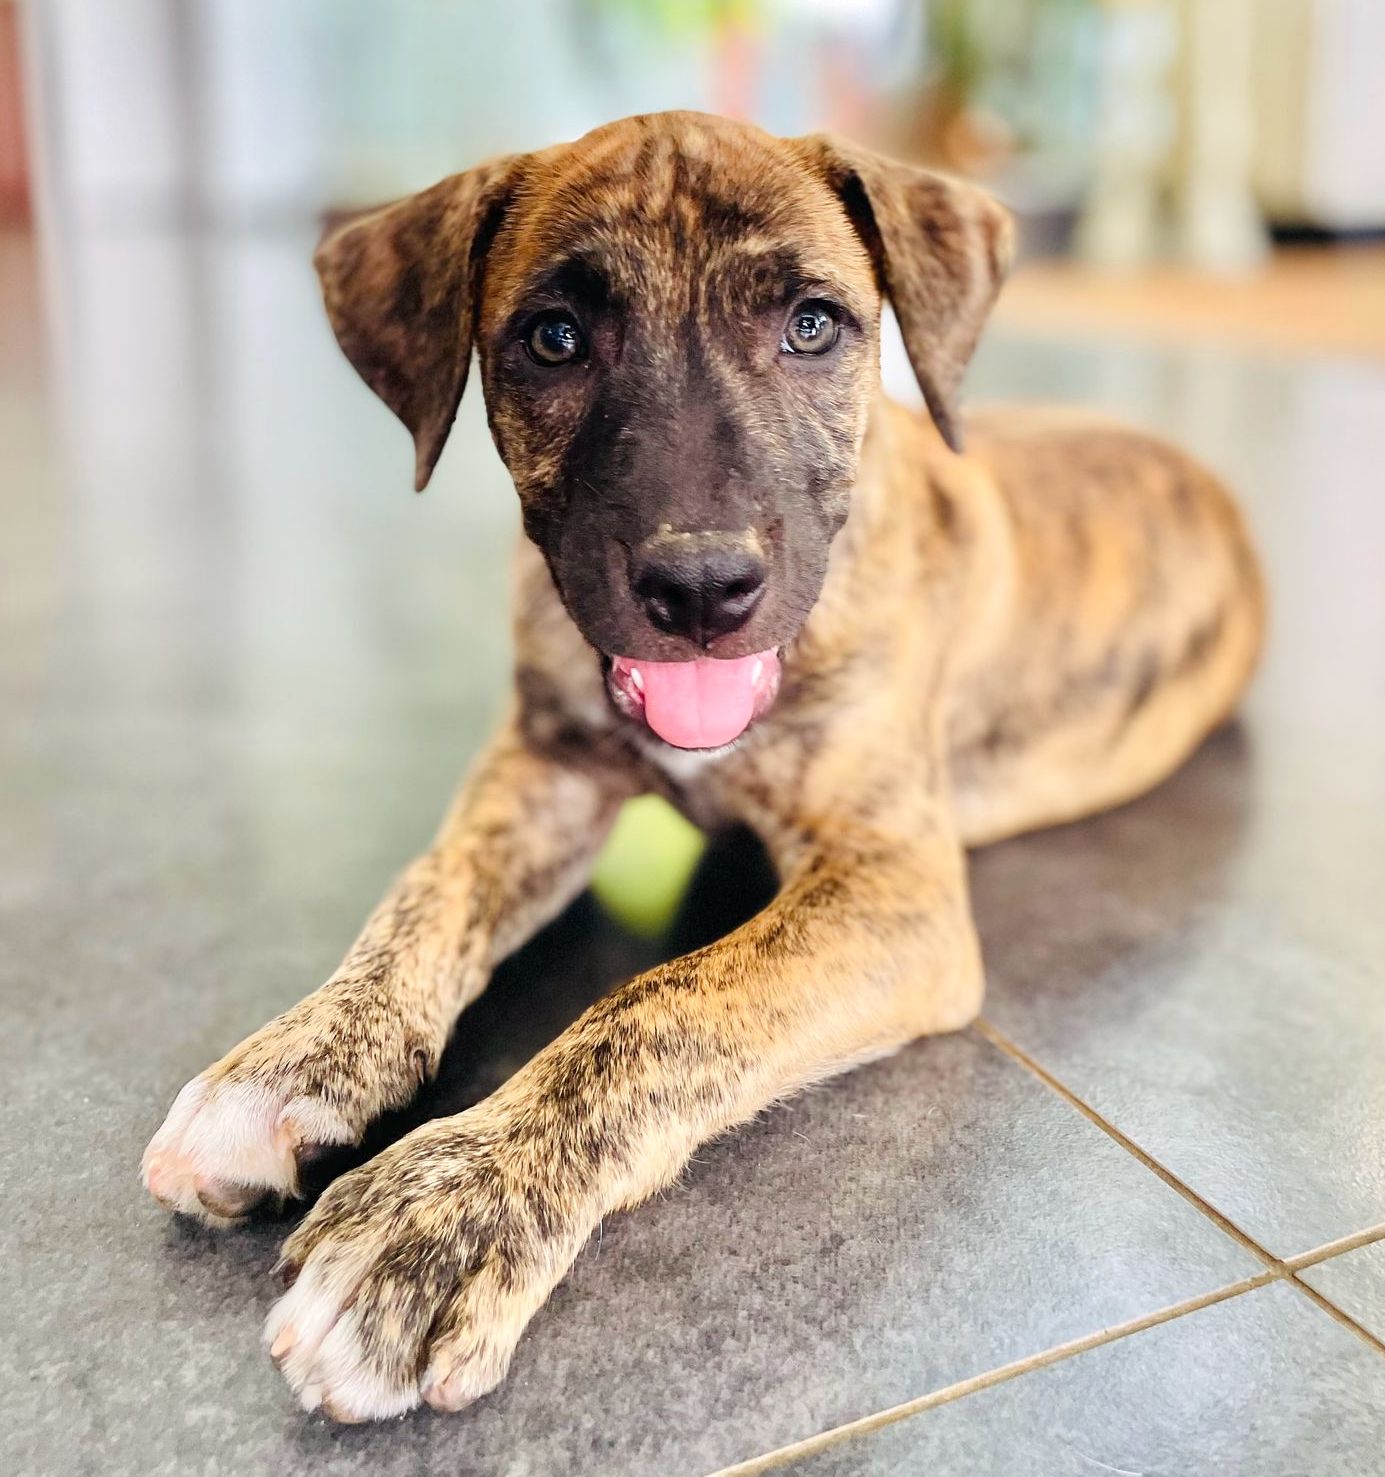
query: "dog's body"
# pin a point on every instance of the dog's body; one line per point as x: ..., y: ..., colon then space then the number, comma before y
x: 965, y: 648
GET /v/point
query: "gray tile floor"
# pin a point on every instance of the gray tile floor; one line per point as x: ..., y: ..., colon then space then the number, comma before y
x: 1129, y: 1224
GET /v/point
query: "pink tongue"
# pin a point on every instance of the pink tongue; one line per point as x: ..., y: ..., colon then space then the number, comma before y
x: 700, y: 704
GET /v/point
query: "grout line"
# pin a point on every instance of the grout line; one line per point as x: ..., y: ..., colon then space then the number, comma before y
x: 1335, y: 1248
x: 812, y: 1445
x: 1281, y: 1271
x: 1342, y: 1317
x: 1283, y: 1267
x: 985, y: 1029
x: 1277, y: 1269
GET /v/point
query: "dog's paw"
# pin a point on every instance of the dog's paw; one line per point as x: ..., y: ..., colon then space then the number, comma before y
x: 415, y: 1275
x: 314, y: 1078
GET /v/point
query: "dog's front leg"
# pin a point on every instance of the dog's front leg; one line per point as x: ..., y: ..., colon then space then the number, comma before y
x: 513, y: 851
x: 417, y: 1273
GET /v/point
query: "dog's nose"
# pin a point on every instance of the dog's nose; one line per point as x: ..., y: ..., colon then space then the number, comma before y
x: 699, y: 585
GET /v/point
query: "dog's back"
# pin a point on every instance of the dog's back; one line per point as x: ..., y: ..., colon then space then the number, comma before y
x: 1132, y: 623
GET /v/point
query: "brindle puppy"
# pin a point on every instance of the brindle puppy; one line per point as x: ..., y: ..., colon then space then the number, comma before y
x: 753, y: 585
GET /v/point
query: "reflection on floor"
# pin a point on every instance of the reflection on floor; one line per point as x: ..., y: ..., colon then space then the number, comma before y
x: 1134, y: 1222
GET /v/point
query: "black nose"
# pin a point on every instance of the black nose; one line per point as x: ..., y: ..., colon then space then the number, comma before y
x: 699, y: 585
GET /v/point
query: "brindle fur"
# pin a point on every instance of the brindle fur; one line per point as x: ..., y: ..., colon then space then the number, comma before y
x: 974, y: 646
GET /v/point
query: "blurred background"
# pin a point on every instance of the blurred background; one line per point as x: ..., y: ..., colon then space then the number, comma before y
x: 1128, y: 131
x: 1158, y: 128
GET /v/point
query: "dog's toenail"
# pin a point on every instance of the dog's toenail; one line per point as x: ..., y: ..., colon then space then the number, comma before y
x: 287, y: 1135
x: 226, y: 1199
x: 336, y: 1413
x: 283, y: 1342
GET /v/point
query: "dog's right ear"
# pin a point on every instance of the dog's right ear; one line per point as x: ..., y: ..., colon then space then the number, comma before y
x: 400, y: 285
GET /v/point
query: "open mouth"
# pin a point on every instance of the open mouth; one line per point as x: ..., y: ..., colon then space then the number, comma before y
x: 700, y: 704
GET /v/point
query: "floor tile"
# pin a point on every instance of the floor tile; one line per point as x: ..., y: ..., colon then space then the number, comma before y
x: 1264, y: 1385
x: 1355, y: 1282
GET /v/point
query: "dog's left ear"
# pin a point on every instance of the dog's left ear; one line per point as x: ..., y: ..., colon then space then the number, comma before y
x: 400, y: 285
x: 941, y: 250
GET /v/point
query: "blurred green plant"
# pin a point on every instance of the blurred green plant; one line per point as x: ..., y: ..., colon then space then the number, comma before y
x: 954, y: 41
x: 685, y: 18
x: 973, y: 43
x: 1009, y: 79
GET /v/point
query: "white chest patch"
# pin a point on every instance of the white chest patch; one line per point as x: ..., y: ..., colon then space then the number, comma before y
x: 683, y: 766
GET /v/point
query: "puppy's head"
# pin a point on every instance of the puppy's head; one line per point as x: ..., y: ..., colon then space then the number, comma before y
x: 677, y: 320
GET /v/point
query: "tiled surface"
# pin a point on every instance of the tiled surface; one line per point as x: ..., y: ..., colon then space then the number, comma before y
x: 1260, y: 1384
x: 1355, y: 1282
x: 241, y: 668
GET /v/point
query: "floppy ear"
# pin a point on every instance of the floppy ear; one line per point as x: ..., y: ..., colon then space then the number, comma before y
x: 400, y: 285
x: 941, y: 250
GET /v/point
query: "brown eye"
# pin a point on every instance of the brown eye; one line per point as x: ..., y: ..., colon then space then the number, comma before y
x: 554, y: 339
x: 812, y: 329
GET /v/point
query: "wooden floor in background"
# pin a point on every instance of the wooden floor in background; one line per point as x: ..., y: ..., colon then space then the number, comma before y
x: 1305, y: 299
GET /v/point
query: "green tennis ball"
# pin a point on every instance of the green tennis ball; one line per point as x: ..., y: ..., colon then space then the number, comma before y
x: 646, y: 865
